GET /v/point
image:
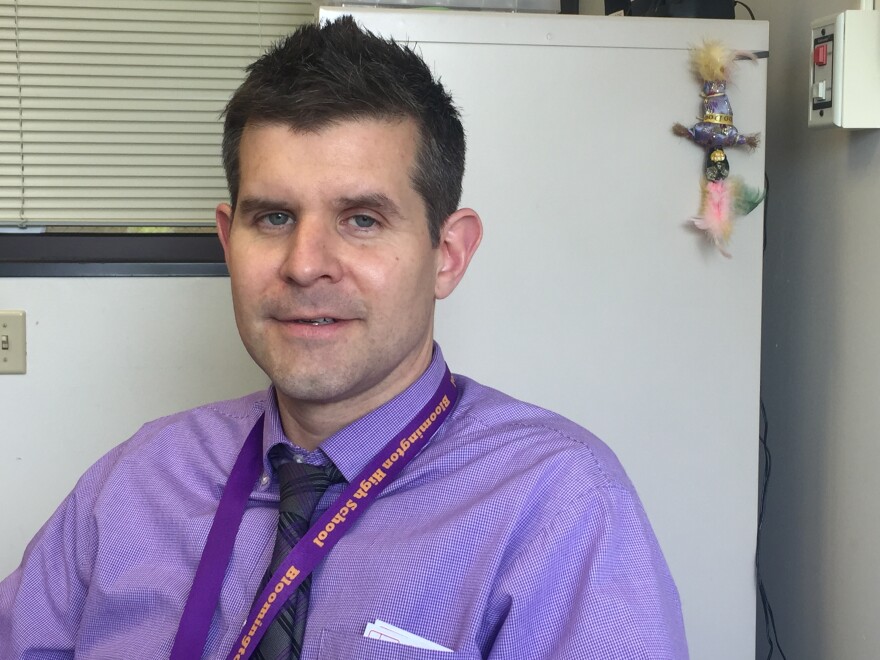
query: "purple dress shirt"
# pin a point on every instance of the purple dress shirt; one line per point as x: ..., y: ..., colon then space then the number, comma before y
x: 514, y: 535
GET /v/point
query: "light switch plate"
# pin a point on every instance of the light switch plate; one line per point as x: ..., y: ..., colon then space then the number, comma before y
x: 13, y: 348
x: 824, y: 95
x: 845, y: 89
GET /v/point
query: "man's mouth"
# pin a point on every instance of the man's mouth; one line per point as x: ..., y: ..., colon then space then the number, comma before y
x: 319, y: 321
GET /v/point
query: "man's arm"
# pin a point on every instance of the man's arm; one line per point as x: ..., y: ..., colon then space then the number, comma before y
x: 592, y: 585
x: 41, y: 603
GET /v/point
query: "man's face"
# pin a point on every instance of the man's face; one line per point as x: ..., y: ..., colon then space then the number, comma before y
x: 333, y: 274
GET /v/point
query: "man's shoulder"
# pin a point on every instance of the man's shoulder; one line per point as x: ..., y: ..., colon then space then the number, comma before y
x: 494, y: 408
x: 238, y: 410
x: 210, y: 423
x: 507, y: 425
x: 207, y: 435
x: 523, y: 469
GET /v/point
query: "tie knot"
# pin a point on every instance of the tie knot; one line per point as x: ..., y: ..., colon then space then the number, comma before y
x: 301, y: 485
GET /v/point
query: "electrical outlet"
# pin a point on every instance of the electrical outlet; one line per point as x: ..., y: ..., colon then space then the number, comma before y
x: 13, y: 349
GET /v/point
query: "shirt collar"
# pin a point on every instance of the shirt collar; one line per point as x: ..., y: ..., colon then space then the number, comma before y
x: 353, y: 446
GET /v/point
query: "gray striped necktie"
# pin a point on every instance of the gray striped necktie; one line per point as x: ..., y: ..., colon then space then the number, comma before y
x: 302, y: 486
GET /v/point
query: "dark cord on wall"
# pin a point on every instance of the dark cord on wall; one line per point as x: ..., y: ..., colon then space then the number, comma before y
x: 769, y: 620
x: 766, y: 204
x: 748, y: 9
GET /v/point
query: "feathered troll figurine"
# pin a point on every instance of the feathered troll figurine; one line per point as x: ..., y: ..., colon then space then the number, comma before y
x: 722, y: 199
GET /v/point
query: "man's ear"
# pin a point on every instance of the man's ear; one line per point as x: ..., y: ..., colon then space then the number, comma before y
x: 459, y: 239
x: 223, y: 217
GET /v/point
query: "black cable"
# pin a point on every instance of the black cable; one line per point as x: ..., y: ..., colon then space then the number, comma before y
x: 748, y: 9
x: 769, y: 619
x: 766, y: 204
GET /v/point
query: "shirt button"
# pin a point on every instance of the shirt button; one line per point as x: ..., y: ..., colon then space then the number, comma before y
x: 298, y: 459
x: 264, y: 480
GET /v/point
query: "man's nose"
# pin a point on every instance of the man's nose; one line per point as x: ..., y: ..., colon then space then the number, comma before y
x: 313, y: 252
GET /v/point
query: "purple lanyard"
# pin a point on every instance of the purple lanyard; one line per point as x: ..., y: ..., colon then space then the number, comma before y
x: 192, y: 632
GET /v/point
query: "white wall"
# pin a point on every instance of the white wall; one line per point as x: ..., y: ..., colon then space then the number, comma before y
x: 589, y: 296
x: 104, y: 356
x: 821, y: 360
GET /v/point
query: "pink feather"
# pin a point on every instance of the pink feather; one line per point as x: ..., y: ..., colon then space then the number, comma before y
x: 716, y: 213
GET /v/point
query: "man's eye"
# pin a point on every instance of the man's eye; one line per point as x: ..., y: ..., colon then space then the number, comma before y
x: 362, y: 221
x: 276, y: 219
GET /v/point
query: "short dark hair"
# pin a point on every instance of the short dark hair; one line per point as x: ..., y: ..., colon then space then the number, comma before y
x: 337, y: 71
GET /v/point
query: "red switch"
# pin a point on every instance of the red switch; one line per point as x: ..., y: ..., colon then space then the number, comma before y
x: 820, y: 55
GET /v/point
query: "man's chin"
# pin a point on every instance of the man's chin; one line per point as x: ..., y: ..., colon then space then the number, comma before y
x: 315, y: 384
x: 312, y: 391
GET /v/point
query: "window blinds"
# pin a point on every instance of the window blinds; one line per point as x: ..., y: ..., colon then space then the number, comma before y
x: 109, y: 109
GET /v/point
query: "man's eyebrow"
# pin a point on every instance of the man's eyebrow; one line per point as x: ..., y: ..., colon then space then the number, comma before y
x: 376, y: 200
x: 250, y: 205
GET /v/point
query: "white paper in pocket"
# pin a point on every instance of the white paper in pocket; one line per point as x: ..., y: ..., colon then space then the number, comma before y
x: 388, y: 633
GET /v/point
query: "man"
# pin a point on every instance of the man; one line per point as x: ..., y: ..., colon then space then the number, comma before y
x: 478, y: 526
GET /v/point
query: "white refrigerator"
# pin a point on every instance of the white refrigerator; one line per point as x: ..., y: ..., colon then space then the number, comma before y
x: 590, y: 295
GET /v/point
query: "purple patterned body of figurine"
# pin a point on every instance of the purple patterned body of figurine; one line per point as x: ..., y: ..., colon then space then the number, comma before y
x: 717, y: 129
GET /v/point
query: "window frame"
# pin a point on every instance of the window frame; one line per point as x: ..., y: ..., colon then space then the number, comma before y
x: 87, y: 254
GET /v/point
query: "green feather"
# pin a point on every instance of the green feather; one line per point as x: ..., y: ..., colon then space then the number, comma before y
x: 747, y: 199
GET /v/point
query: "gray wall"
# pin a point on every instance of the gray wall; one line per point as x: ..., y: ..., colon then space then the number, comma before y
x: 821, y: 360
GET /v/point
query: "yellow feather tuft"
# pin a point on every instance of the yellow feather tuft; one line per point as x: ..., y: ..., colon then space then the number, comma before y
x: 712, y: 60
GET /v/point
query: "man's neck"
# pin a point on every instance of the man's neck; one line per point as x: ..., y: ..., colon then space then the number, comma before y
x: 307, y: 423
x: 308, y: 428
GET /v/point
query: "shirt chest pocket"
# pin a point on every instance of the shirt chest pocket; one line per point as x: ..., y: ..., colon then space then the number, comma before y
x: 337, y: 645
